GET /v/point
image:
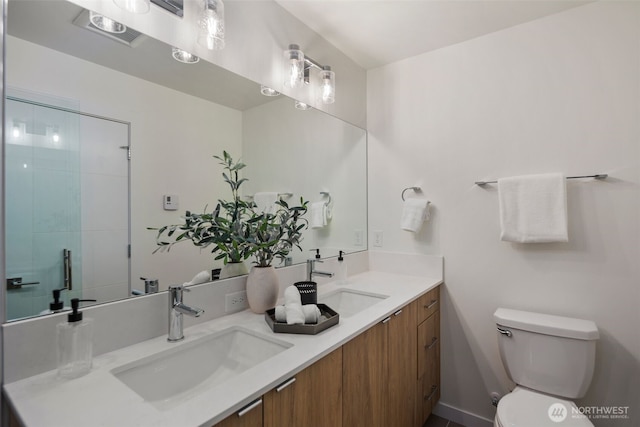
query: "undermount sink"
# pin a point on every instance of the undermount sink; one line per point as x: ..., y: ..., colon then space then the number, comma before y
x: 348, y: 302
x: 172, y: 376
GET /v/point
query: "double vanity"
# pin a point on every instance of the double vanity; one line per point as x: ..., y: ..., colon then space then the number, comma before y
x: 379, y: 364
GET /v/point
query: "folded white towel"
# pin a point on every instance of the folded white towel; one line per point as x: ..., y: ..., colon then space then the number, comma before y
x: 414, y: 213
x: 280, y: 313
x: 295, y: 315
x: 266, y: 201
x: 318, y: 213
x: 292, y: 296
x: 311, y: 313
x: 533, y: 208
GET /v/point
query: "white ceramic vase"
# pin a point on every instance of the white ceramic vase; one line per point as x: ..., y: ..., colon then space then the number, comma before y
x: 262, y: 289
x: 233, y: 269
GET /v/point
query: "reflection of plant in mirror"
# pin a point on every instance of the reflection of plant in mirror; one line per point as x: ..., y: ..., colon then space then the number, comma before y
x: 236, y: 229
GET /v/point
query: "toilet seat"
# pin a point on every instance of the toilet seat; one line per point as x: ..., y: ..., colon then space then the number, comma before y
x: 526, y: 408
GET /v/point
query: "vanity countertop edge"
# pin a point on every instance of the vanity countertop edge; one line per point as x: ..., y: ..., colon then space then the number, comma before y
x: 100, y: 399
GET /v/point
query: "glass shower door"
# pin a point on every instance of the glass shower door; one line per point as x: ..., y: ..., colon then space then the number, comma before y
x: 67, y: 207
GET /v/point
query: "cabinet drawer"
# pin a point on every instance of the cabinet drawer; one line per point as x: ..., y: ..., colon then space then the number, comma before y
x: 428, y: 304
x: 428, y: 344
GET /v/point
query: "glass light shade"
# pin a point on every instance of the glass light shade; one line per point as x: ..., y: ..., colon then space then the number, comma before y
x: 134, y: 6
x: 302, y: 106
x: 267, y: 91
x: 183, y: 56
x: 327, y: 85
x: 106, y: 24
x: 211, y: 25
x: 293, y: 66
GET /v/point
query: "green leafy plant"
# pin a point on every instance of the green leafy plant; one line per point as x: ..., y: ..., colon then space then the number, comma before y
x: 235, y: 229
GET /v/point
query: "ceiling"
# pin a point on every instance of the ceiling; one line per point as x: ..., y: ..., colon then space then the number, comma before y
x: 378, y: 32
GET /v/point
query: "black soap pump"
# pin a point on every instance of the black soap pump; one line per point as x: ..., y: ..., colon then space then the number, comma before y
x: 75, y: 343
x: 341, y: 274
x: 56, y: 305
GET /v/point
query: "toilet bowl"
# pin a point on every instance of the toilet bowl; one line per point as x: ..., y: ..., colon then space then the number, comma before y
x: 551, y: 360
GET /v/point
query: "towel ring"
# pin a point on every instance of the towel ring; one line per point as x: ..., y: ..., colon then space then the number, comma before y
x: 326, y: 194
x: 414, y: 189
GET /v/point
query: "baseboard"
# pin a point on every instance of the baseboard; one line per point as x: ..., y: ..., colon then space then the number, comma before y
x: 459, y: 416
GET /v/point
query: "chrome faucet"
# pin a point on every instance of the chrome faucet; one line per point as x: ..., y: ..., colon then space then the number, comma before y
x: 311, y: 265
x: 176, y: 309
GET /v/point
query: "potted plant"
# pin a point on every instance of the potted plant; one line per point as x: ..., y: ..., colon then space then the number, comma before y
x: 224, y: 228
x: 272, y: 236
x: 236, y: 230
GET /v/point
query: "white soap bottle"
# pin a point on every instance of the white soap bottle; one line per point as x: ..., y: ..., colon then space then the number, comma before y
x: 75, y: 343
x: 341, y: 274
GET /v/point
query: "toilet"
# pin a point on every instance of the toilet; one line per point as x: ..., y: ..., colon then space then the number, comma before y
x: 551, y: 360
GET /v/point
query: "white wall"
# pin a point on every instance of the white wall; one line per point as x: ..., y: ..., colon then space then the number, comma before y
x: 173, y: 139
x: 557, y: 94
x: 256, y: 34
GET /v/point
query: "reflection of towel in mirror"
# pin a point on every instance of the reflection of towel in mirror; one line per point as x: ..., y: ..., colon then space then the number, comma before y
x: 414, y: 213
x: 266, y: 201
x: 533, y: 208
x: 318, y: 214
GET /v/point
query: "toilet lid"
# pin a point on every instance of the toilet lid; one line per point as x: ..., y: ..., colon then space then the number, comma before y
x: 526, y: 408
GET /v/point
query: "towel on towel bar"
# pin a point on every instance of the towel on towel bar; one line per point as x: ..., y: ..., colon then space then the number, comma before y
x: 414, y: 213
x: 318, y: 212
x: 533, y: 208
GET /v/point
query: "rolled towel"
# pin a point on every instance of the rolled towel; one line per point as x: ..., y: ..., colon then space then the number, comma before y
x: 292, y: 295
x: 281, y: 314
x: 295, y: 315
x: 202, y: 277
x: 311, y: 313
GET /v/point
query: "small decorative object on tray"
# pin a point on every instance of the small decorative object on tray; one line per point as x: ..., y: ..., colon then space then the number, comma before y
x: 328, y: 318
x: 308, y: 292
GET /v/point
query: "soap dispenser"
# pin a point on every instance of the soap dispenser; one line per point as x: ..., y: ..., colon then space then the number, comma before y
x: 342, y: 270
x: 56, y: 305
x: 75, y: 343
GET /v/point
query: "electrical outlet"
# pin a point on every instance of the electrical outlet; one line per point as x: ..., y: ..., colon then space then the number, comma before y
x: 358, y: 238
x: 236, y: 301
x: 377, y: 239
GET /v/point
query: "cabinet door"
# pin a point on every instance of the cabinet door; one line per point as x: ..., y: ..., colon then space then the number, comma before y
x: 249, y: 416
x: 403, y: 366
x: 313, y: 398
x: 364, y: 378
x: 428, y: 365
x: 428, y: 304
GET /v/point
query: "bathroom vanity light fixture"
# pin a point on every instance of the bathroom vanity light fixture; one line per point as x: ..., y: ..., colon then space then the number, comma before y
x: 211, y: 25
x: 297, y: 67
x: 106, y: 24
x: 183, y: 56
x: 267, y: 91
x: 134, y: 6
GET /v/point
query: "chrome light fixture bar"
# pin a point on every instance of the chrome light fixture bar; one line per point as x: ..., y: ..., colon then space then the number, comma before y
x: 297, y: 68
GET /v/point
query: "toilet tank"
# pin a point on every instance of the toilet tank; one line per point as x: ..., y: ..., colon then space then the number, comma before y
x: 551, y: 354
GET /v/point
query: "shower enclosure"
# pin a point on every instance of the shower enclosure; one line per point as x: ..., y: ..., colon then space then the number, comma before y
x: 67, y: 206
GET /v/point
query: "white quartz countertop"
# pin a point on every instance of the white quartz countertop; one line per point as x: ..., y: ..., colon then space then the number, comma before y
x: 100, y: 399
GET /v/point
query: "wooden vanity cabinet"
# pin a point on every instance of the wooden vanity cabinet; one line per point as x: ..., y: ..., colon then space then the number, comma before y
x: 312, y: 398
x: 389, y: 375
x: 428, y: 390
x: 379, y: 373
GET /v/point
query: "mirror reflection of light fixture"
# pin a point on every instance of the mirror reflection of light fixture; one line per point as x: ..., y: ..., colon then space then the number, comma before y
x: 183, y: 56
x: 106, y: 24
x: 301, y: 105
x: 293, y: 66
x: 211, y: 25
x: 297, y: 68
x: 134, y: 6
x: 267, y: 91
